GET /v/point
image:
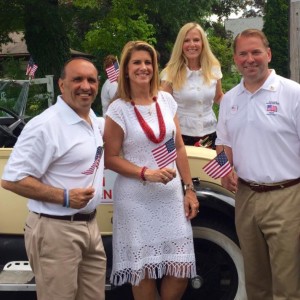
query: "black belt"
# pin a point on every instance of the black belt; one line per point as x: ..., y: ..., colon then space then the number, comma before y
x: 260, y: 188
x: 75, y: 217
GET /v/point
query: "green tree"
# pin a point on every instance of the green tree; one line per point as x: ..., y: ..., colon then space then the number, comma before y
x: 45, y: 36
x: 124, y: 22
x: 276, y: 28
x: 11, y: 15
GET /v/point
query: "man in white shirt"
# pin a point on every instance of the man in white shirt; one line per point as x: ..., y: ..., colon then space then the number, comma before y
x: 57, y: 163
x: 259, y: 128
x: 110, y: 86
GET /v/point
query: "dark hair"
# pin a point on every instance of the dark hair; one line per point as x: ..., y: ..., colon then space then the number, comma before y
x: 63, y: 70
x: 249, y: 33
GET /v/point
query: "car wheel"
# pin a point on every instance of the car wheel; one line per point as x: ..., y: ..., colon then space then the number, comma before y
x: 219, y: 262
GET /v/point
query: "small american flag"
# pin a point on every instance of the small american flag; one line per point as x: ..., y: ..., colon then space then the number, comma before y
x: 165, y: 154
x: 271, y: 108
x: 96, y: 162
x: 218, y: 167
x: 113, y: 72
x: 31, y: 67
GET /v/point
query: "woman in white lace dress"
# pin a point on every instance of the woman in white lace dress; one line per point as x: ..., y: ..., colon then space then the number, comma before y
x: 152, y: 234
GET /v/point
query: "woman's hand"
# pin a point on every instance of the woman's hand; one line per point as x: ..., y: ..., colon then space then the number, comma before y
x: 163, y: 175
x: 191, y: 204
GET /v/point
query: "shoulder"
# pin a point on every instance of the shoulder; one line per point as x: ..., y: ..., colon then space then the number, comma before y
x: 167, y: 99
x: 118, y: 107
x: 216, y: 71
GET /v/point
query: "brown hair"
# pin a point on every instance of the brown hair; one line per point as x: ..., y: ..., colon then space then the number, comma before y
x: 251, y: 33
x: 108, y: 61
x: 123, y: 82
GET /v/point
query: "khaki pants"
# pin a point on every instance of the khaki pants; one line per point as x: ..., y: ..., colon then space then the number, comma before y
x: 67, y: 258
x: 268, y: 226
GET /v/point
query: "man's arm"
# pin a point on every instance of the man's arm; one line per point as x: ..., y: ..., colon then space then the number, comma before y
x: 30, y: 187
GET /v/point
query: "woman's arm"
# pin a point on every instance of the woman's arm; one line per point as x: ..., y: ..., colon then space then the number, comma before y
x: 219, y: 92
x: 191, y: 203
x: 113, y: 139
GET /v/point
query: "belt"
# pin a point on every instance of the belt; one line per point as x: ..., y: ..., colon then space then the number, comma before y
x: 75, y: 217
x: 261, y: 188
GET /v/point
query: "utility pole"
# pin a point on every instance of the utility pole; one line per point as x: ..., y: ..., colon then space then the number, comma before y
x: 294, y: 38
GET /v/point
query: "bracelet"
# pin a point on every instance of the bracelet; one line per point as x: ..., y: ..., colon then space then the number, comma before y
x: 66, y: 198
x: 142, y: 175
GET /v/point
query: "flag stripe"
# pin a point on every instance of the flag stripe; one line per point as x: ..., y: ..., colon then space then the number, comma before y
x: 218, y: 167
x: 113, y: 72
x: 96, y: 162
x: 31, y: 67
x: 165, y: 154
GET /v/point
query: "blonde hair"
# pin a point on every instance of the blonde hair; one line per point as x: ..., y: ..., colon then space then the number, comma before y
x: 175, y: 69
x: 123, y: 91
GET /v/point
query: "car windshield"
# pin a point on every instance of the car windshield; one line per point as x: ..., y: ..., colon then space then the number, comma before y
x: 13, y: 96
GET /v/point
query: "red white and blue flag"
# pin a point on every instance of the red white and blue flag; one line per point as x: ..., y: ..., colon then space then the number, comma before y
x: 271, y: 108
x: 113, y: 72
x: 165, y: 154
x: 218, y: 167
x: 31, y: 67
x: 96, y: 162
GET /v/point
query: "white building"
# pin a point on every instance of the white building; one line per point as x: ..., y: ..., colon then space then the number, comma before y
x: 238, y: 25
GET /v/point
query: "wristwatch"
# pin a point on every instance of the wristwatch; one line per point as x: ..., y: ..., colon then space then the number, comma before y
x: 189, y: 186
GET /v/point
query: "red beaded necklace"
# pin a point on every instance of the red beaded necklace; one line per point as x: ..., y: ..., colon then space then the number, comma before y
x: 148, y: 131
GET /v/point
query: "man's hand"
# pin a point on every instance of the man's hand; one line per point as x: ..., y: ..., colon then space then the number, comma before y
x: 229, y: 181
x: 79, y: 198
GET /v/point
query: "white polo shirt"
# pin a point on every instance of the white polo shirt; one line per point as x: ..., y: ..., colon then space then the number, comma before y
x: 263, y: 130
x: 58, y: 147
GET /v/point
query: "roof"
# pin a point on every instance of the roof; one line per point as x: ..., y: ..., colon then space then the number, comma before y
x: 238, y: 25
x: 18, y: 47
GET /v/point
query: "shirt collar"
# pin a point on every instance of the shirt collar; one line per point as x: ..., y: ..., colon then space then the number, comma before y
x: 271, y: 84
x: 69, y: 115
x: 191, y: 72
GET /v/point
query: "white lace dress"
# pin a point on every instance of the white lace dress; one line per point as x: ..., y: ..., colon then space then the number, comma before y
x: 151, y: 234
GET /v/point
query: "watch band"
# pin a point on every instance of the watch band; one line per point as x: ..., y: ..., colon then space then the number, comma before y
x: 189, y: 186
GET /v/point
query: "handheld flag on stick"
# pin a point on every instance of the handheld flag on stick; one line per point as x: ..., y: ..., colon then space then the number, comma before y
x: 113, y: 72
x: 96, y: 162
x: 165, y: 154
x: 218, y: 167
x: 31, y: 68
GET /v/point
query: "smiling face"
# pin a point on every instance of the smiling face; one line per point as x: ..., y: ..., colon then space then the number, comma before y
x: 140, y: 69
x: 79, y: 86
x: 252, y: 58
x: 192, y: 45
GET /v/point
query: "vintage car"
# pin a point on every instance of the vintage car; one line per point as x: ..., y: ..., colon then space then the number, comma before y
x: 220, y: 271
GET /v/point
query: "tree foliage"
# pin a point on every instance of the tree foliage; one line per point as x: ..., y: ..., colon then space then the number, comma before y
x: 248, y: 8
x: 45, y: 35
x: 125, y: 21
x: 11, y: 14
x: 276, y: 28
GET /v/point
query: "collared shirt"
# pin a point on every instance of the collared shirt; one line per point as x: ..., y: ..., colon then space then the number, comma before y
x: 60, y: 149
x: 195, y: 100
x: 108, y: 91
x: 263, y: 130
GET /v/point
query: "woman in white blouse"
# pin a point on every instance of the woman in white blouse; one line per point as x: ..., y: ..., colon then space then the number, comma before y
x: 193, y: 76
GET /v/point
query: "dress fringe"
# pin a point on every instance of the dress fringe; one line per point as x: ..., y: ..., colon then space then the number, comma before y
x: 154, y: 271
